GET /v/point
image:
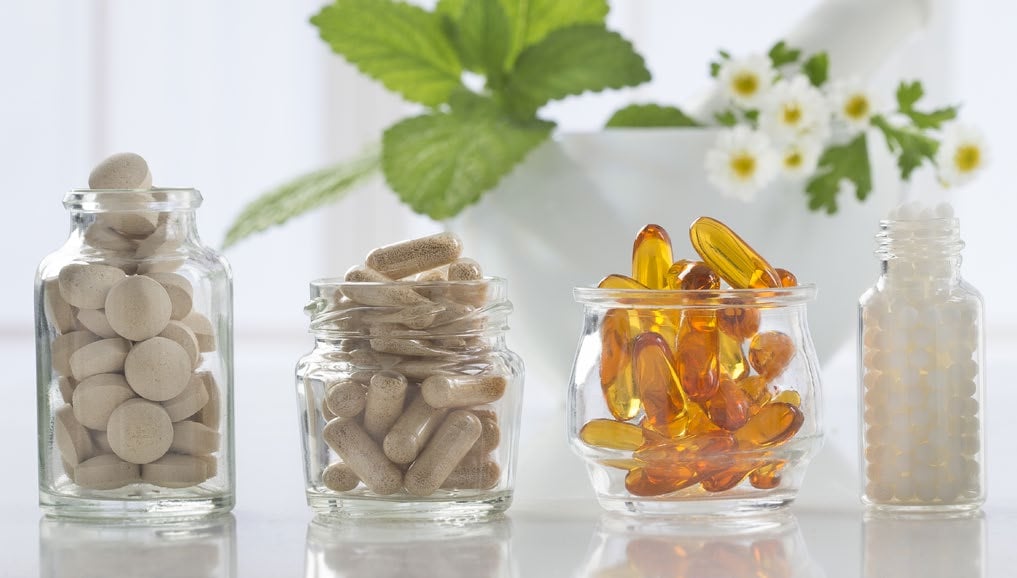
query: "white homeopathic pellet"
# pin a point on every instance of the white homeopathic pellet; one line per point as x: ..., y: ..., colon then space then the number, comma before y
x: 95, y: 398
x: 139, y: 431
x: 87, y: 285
x: 138, y: 307
x: 158, y: 369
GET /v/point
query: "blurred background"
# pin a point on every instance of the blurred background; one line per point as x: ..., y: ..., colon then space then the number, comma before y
x: 235, y: 97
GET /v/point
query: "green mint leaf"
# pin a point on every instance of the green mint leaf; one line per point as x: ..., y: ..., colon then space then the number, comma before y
x: 933, y: 119
x: 850, y: 162
x: 302, y: 195
x: 569, y: 61
x: 908, y: 94
x: 533, y: 20
x: 651, y: 115
x: 451, y: 8
x: 484, y: 36
x: 817, y: 68
x: 402, y: 46
x: 782, y: 54
x: 911, y: 146
x: 439, y: 163
x: 726, y: 118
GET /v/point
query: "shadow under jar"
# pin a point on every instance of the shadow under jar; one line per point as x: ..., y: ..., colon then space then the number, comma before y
x: 695, y: 402
x: 134, y: 362
x: 409, y: 410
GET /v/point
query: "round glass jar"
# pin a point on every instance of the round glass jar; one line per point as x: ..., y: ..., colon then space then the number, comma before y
x: 700, y: 402
x: 134, y: 348
x: 409, y: 410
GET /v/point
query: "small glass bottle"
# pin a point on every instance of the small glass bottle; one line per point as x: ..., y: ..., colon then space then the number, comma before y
x: 922, y: 371
x: 134, y: 361
x: 409, y: 411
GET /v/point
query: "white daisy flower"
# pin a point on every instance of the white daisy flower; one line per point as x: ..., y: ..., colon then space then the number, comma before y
x: 795, y: 110
x: 745, y: 81
x: 799, y: 159
x: 961, y: 155
x: 741, y: 163
x: 853, y: 104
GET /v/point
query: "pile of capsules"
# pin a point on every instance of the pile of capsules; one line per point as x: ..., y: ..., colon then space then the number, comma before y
x: 414, y: 413
x: 687, y: 401
x: 127, y: 349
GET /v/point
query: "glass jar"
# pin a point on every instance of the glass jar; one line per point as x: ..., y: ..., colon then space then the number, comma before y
x: 702, y: 402
x: 134, y: 348
x: 409, y: 410
x: 921, y: 360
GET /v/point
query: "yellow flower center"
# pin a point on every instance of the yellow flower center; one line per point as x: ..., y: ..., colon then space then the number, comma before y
x: 743, y: 165
x: 967, y: 158
x: 857, y: 107
x: 792, y: 113
x: 745, y: 84
x: 794, y: 160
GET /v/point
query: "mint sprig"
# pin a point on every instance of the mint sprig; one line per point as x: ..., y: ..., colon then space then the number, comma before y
x: 839, y: 163
x: 650, y: 115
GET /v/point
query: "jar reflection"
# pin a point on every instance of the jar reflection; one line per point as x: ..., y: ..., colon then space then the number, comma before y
x: 771, y: 548
x: 74, y: 549
x: 397, y: 549
x: 927, y: 546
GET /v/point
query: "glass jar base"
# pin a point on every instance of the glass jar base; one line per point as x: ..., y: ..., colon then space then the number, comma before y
x: 332, y: 507
x: 923, y: 510
x: 143, y: 511
x: 716, y: 509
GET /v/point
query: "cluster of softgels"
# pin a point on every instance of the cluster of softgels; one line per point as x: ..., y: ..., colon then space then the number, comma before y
x: 687, y: 401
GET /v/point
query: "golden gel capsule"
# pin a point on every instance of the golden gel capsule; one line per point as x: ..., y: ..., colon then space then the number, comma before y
x: 789, y: 397
x: 733, y: 364
x: 738, y: 322
x: 620, y: 393
x: 654, y: 481
x: 697, y: 364
x: 775, y: 423
x: 611, y: 434
x: 767, y: 477
x: 692, y: 275
x: 699, y: 451
x: 726, y: 479
x: 770, y: 352
x: 693, y: 420
x: 787, y: 278
x: 656, y: 381
x: 652, y: 257
x: 731, y: 257
x: 729, y: 407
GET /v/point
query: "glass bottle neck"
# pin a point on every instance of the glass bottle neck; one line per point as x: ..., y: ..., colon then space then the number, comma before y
x: 920, y: 252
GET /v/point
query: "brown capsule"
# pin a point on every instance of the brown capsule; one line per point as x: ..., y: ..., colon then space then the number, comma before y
x: 738, y: 322
x: 787, y: 278
x: 775, y: 423
x: 657, y: 481
x: 615, y: 365
x: 729, y: 407
x: 656, y: 381
x: 697, y: 364
x: 767, y: 477
x: 692, y: 275
x: 770, y: 353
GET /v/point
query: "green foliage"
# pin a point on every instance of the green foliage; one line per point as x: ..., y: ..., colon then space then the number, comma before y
x: 533, y: 20
x: 303, y: 194
x: 781, y: 54
x: 716, y: 64
x: 908, y: 95
x: 484, y: 37
x: 571, y: 61
x: 911, y: 146
x: 401, y: 46
x: 651, y: 115
x: 817, y: 69
x: 846, y: 162
x: 726, y: 118
x: 439, y: 163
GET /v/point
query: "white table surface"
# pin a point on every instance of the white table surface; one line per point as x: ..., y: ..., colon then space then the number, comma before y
x: 555, y: 529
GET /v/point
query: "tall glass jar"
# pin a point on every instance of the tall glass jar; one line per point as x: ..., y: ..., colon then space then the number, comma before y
x: 134, y: 349
x: 921, y: 360
x: 702, y: 402
x: 409, y: 410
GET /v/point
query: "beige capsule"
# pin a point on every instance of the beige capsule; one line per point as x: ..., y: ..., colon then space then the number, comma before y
x: 411, y: 431
x: 406, y: 347
x: 138, y: 308
x: 410, y: 257
x: 65, y: 345
x: 95, y: 321
x: 413, y: 316
x: 386, y: 396
x: 448, y: 446
x: 95, y: 399
x: 103, y: 356
x: 346, y: 399
x: 175, y: 471
x: 490, y: 436
x: 87, y: 285
x: 463, y: 390
x: 339, y: 477
x: 106, y: 472
x: 184, y: 336
x: 139, y: 431
x: 365, y: 358
x: 432, y: 275
x: 481, y: 473
x: 363, y: 455
x: 158, y: 369
x: 202, y: 329
x: 58, y: 311
x: 180, y: 291
x: 189, y: 402
x: 422, y: 368
x: 193, y: 438
x: 385, y: 293
x: 71, y: 437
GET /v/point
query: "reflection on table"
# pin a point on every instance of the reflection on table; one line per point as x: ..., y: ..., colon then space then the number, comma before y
x: 200, y: 549
x: 926, y: 546
x: 769, y: 547
x: 400, y: 549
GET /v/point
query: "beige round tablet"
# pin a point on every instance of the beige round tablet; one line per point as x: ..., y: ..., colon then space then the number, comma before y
x: 96, y: 397
x: 71, y: 437
x: 178, y: 331
x: 103, y: 356
x: 86, y: 286
x: 203, y: 330
x: 138, y: 308
x: 158, y: 369
x: 100, y: 439
x: 139, y: 431
x: 191, y: 437
x: 66, y: 386
x: 175, y: 471
x: 58, y: 311
x: 189, y: 402
x: 162, y: 241
x: 95, y: 321
x: 121, y: 171
x: 100, y: 236
x: 209, y: 415
x: 106, y: 472
x: 180, y: 292
x: 65, y: 345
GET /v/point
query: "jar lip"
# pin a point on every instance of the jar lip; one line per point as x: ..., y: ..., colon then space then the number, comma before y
x: 158, y: 199
x: 339, y: 282
x: 698, y: 298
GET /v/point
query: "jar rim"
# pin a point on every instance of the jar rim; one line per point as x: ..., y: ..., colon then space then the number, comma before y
x: 157, y: 199
x: 339, y: 282
x: 695, y: 299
